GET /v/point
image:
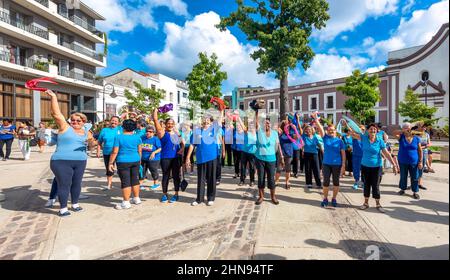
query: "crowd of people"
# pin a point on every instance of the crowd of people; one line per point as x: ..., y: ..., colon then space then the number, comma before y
x: 143, y: 148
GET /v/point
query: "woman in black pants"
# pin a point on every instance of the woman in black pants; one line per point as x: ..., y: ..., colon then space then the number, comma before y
x: 311, y: 156
x: 172, y: 149
x: 7, y: 131
x: 69, y: 160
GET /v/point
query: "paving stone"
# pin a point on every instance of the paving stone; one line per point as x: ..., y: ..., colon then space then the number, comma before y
x: 27, y: 257
x: 238, y: 234
x: 7, y: 257
x: 253, y: 220
x: 16, y: 218
x: 39, y: 231
x: 22, y: 231
x: 235, y: 220
x: 32, y: 247
x: 2, y: 240
x: 13, y: 247
x: 244, y: 218
x: 11, y: 225
x: 27, y: 224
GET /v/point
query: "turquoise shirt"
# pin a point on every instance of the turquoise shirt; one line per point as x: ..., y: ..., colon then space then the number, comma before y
x: 106, y: 139
x: 372, y: 151
x: 311, y: 145
x: 71, y: 146
x: 332, y: 150
x: 128, y: 145
x: 250, y: 143
x: 266, y: 147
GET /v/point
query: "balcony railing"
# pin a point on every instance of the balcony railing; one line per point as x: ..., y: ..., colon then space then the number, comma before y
x: 82, y: 50
x: 5, y: 17
x: 80, y: 22
x: 23, y: 61
x: 86, y: 76
x: 43, y: 2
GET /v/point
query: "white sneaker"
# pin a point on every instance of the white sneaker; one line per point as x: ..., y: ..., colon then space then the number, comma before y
x: 106, y: 188
x: 195, y: 203
x: 309, y: 186
x: 123, y: 205
x: 50, y: 203
x: 210, y: 203
x: 136, y: 200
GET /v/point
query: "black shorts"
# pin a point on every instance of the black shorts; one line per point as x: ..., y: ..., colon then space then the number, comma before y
x: 152, y: 166
x: 128, y: 173
x: 287, y: 165
x: 331, y: 170
x: 106, y: 161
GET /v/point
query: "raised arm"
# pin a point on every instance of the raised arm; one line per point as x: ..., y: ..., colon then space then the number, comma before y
x: 397, y: 134
x: 355, y: 135
x: 319, y: 125
x: 257, y: 126
x: 56, y: 112
x: 241, y: 123
x: 159, y: 129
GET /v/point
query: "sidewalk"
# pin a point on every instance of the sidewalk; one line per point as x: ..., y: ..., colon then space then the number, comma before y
x: 234, y: 228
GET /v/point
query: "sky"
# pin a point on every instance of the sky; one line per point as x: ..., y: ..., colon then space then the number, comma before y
x: 165, y: 36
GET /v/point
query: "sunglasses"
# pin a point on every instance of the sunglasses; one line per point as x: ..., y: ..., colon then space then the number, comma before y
x: 150, y: 131
x: 78, y: 121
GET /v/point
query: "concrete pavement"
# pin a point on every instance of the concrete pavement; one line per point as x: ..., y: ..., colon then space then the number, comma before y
x: 234, y: 228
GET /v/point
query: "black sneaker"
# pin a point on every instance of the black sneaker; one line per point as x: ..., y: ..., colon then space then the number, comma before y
x: 401, y: 192
x: 251, y: 184
x: 241, y: 184
x: 422, y: 187
x: 416, y: 196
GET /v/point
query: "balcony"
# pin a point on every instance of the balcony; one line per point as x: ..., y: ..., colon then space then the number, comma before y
x: 43, y: 2
x: 5, y: 17
x: 85, y: 51
x: 23, y: 61
x: 80, y: 22
x: 86, y: 76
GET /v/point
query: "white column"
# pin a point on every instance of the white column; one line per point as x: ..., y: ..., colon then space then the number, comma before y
x: 36, y: 107
x: 393, y: 99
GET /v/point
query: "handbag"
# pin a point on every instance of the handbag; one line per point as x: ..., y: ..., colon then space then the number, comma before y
x: 184, y: 183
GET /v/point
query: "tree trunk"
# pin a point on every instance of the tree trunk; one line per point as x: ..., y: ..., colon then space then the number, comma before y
x: 284, y: 95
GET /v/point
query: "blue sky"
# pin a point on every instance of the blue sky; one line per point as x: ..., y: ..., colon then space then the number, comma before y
x: 165, y: 36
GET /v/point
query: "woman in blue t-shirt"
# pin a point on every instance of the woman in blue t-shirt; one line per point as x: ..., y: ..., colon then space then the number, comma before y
x: 311, y: 156
x: 348, y: 142
x: 409, y: 158
x: 287, y: 148
x: 69, y: 160
x: 371, y: 164
x: 106, y: 144
x: 7, y: 131
x: 333, y: 160
x: 127, y: 156
x: 357, y: 155
x: 248, y: 153
x: 172, y: 149
x: 151, y: 156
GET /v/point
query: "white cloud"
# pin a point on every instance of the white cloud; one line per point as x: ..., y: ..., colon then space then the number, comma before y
x: 344, y: 38
x: 183, y: 43
x: 415, y: 31
x: 121, y: 57
x: 369, y: 41
x: 125, y: 15
x: 347, y: 14
x: 408, y: 6
x: 375, y: 69
x: 112, y: 42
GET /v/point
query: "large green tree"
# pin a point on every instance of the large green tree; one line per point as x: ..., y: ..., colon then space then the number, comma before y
x: 205, y: 80
x: 413, y: 110
x: 363, y: 92
x: 146, y: 99
x: 282, y: 29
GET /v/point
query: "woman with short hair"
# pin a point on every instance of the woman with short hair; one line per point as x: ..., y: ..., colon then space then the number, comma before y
x: 7, y: 132
x: 25, y: 132
x: 106, y: 144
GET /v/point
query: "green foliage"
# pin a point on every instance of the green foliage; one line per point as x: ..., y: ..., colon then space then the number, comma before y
x: 363, y: 93
x: 205, y: 80
x: 145, y: 100
x: 40, y: 65
x: 445, y: 128
x: 414, y: 110
x: 105, y: 46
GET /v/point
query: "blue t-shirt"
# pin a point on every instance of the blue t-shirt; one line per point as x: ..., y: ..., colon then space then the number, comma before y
x: 332, y: 150
x: 408, y: 152
x: 250, y: 143
x: 357, y: 147
x: 3, y: 135
x: 205, y: 142
x: 128, y: 145
x: 266, y: 147
x: 140, y: 132
x: 106, y: 139
x: 372, y: 151
x: 381, y: 134
x: 348, y: 141
x: 170, y: 145
x: 149, y: 145
x: 238, y: 143
x: 310, y: 144
x: 286, y: 146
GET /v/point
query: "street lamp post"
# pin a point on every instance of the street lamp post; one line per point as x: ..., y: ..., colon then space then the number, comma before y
x: 425, y: 77
x: 107, y: 89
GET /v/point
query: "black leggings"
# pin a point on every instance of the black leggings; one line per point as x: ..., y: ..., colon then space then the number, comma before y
x: 171, y: 166
x: 128, y: 173
x: 371, y: 181
x: 69, y: 174
x: 106, y: 161
x: 329, y: 170
x: 237, y: 161
x: 152, y: 166
x: 8, y: 147
x: 206, y: 174
x: 312, y: 167
x: 250, y: 160
x: 266, y: 169
x: 348, y: 161
x: 229, y: 152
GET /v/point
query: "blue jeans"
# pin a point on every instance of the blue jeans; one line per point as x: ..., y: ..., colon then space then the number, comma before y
x: 413, y: 171
x: 424, y: 162
x: 69, y: 174
x: 54, y: 190
x: 356, y: 167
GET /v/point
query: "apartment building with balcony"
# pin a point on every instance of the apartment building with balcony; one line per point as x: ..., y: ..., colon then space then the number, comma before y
x: 54, y: 39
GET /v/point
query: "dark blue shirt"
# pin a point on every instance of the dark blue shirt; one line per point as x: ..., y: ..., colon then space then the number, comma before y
x: 170, y: 145
x: 286, y: 146
x: 4, y: 135
x: 206, y: 143
x: 408, y: 152
x: 332, y: 150
x: 149, y: 145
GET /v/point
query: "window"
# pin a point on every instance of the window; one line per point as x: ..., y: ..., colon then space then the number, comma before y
x: 313, y: 103
x: 241, y: 105
x: 297, y: 104
x: 185, y: 95
x: 330, y: 101
x: 271, y: 106
x: 178, y: 97
x: 153, y: 87
x: 110, y: 110
x: 171, y: 97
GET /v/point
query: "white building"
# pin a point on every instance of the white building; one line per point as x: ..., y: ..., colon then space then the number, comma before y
x: 54, y: 39
x: 176, y: 92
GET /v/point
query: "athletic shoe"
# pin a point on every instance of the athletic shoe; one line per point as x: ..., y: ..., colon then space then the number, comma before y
x: 309, y: 186
x: 381, y: 209
x: 123, y: 205
x: 416, y: 196
x: 194, y: 203
x: 210, y: 203
x: 364, y: 207
x: 174, y: 199
x: 422, y: 187
x: 164, y: 199
x: 106, y: 188
x: 324, y: 203
x: 401, y: 192
x: 251, y: 184
x: 77, y: 209
x: 154, y: 187
x: 355, y: 186
x: 217, y: 183
x: 5, y: 159
x: 64, y: 214
x: 241, y: 184
x: 50, y: 203
x: 361, y: 184
x: 136, y: 200
x: 334, y: 202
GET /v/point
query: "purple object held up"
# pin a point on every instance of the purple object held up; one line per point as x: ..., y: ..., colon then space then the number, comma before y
x: 166, y: 108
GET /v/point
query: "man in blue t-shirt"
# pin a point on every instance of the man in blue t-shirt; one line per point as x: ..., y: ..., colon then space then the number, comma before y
x: 7, y: 130
x: 151, y: 157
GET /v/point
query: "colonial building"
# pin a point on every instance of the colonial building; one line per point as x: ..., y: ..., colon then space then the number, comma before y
x: 176, y: 92
x: 48, y: 38
x: 425, y: 69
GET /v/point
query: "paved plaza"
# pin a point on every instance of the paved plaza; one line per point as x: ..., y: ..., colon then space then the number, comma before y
x: 234, y: 228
